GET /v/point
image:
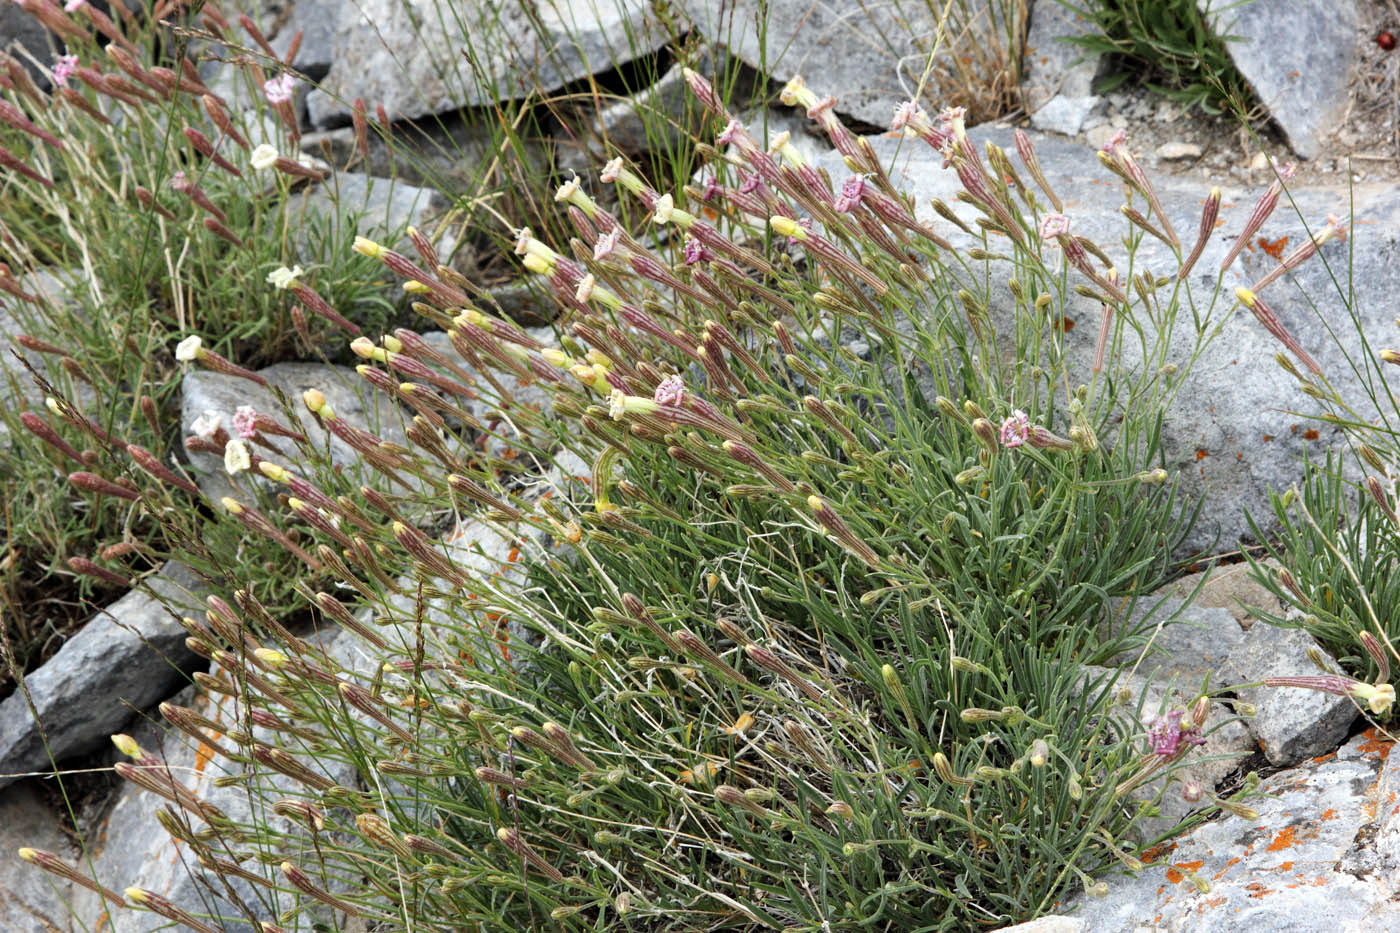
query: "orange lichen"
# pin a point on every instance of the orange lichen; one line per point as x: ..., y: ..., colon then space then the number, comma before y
x: 1175, y: 872
x: 1157, y: 851
x: 1328, y: 814
x: 1376, y: 744
x: 1310, y: 434
x: 1201, y: 453
x: 1257, y: 889
x: 1274, y: 249
x: 1282, y: 841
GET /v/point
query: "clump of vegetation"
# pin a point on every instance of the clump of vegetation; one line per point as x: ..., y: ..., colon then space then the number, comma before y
x: 1171, y: 48
x: 794, y: 631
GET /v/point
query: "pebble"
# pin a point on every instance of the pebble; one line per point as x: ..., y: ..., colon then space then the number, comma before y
x: 1178, y: 150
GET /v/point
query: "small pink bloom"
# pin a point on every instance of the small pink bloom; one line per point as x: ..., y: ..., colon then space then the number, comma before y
x: 278, y: 90
x: 950, y: 116
x: 72, y: 6
x: 1118, y: 139
x: 852, y: 189
x: 245, y: 421
x: 1054, y: 225
x: 729, y: 133
x: 180, y: 182
x: 695, y: 251
x: 607, y: 244
x: 750, y: 183
x: 904, y: 114
x: 1016, y: 429
x: 713, y: 189
x: 63, y: 69
x: 820, y: 107
x: 1168, y: 737
x: 671, y: 391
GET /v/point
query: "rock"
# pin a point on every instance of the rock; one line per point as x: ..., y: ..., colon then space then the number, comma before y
x: 1099, y: 136
x: 1291, y: 723
x: 1232, y: 587
x: 1276, y: 872
x: 349, y: 396
x: 1059, y: 82
x: 1178, y: 150
x: 867, y: 56
x: 1192, y: 643
x: 125, y: 658
x: 1229, y: 429
x: 378, y: 208
x: 1298, y: 58
x: 21, y: 32
x: 131, y: 848
x: 1064, y: 115
x: 281, y: 20
x: 1387, y: 842
x: 32, y: 900
x: 412, y: 60
x: 1048, y: 925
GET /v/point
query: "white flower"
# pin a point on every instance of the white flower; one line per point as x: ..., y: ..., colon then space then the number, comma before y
x: 665, y: 207
x: 263, y: 157
x: 284, y: 278
x: 207, y: 424
x: 617, y: 404
x: 236, y: 458
x: 187, y: 350
x: 567, y: 190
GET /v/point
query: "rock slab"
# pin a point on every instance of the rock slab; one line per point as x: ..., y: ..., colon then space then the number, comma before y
x: 411, y: 60
x: 130, y: 655
x: 31, y: 900
x: 1059, y: 82
x: 1298, y: 58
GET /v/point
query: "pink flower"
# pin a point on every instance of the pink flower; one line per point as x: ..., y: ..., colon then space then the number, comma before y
x: 607, y: 244
x: 63, y: 69
x: 730, y: 132
x: 695, y: 251
x: 180, y: 182
x: 1054, y: 225
x: 671, y: 391
x: 72, y: 6
x: 904, y: 114
x: 278, y: 90
x: 245, y: 421
x: 852, y: 189
x: 1118, y: 139
x: 750, y: 183
x: 1016, y: 429
x: 1168, y: 738
x: 713, y: 189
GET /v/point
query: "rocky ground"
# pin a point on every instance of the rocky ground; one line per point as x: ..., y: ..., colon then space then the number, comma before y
x: 1323, y: 852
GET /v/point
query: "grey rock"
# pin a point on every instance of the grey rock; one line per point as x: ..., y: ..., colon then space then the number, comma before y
x: 378, y: 208
x: 868, y: 56
x: 1186, y: 642
x: 1297, y: 56
x: 21, y: 33
x: 1387, y: 841
x: 281, y: 20
x: 1231, y: 587
x: 1059, y: 82
x: 32, y: 900
x: 130, y: 848
x: 1048, y: 925
x: 1276, y: 872
x: 349, y: 396
x: 496, y: 413
x: 1178, y: 150
x: 1230, y: 429
x: 1291, y: 723
x: 1064, y: 115
x: 412, y: 60
x: 125, y: 658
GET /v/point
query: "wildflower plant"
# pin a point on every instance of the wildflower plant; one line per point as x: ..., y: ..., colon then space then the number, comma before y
x: 140, y: 207
x: 767, y: 585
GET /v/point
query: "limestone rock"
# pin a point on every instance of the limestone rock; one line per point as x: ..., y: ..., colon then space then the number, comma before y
x: 1274, y: 872
x: 1291, y: 723
x: 868, y: 56
x: 128, y: 656
x: 1298, y: 58
x: 31, y: 900
x: 1059, y: 82
x: 349, y: 396
x: 412, y: 60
